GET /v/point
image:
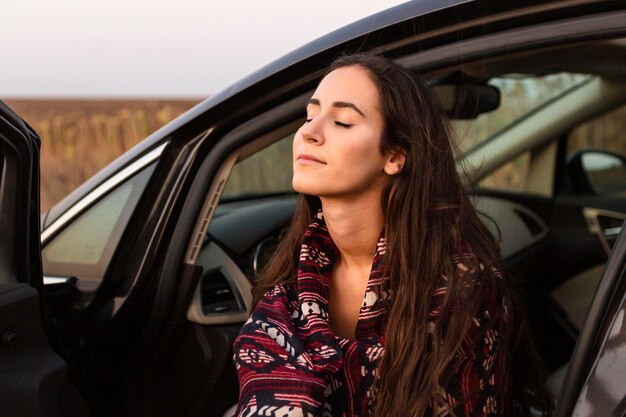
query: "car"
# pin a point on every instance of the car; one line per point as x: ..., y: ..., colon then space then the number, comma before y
x: 125, y: 297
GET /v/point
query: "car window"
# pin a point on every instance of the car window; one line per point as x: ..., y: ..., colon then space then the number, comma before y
x: 266, y: 172
x: 607, y: 132
x: 84, y: 248
x: 269, y: 171
x: 510, y: 176
x: 519, y: 95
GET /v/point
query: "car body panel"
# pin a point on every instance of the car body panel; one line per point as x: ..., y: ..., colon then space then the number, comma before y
x: 32, y: 376
x: 19, y: 184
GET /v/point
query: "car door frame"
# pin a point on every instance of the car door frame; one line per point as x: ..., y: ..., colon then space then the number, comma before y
x: 607, y: 303
x: 33, y: 377
x: 175, y: 267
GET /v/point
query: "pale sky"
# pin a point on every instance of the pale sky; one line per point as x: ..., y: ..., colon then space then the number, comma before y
x: 155, y: 48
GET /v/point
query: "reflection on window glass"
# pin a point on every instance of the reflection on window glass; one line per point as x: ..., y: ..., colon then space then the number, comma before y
x: 268, y: 171
x: 84, y: 248
x: 519, y: 95
x: 83, y: 242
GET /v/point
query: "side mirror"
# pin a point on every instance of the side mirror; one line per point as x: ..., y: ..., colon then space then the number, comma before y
x: 594, y: 171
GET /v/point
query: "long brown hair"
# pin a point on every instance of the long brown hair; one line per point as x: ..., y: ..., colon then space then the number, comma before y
x: 428, y: 218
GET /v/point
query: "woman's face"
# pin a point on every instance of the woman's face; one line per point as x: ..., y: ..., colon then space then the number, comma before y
x: 336, y: 152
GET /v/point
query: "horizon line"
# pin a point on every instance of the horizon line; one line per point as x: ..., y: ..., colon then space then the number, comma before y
x: 103, y: 98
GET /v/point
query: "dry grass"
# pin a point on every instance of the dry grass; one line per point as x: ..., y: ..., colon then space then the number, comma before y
x: 80, y: 137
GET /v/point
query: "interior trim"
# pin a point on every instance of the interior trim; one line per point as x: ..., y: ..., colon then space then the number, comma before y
x: 591, y: 215
x: 213, y: 257
x: 541, y: 170
x: 221, y: 177
x: 511, y: 228
x: 208, y: 208
x: 534, y: 36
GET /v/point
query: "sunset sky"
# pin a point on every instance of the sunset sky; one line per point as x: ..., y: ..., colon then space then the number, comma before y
x: 155, y: 48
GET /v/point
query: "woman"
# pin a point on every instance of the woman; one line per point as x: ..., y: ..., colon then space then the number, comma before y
x: 385, y: 297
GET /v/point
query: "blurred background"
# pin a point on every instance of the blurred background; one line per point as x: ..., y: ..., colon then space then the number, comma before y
x: 93, y: 79
x: 81, y: 136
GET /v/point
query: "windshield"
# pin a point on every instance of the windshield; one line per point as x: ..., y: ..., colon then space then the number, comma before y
x: 519, y: 95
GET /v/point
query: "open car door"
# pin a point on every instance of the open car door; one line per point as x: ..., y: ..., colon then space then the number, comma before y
x: 594, y: 384
x: 32, y: 377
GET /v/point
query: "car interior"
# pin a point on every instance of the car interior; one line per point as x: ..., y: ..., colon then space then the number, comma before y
x: 541, y: 145
x: 544, y: 223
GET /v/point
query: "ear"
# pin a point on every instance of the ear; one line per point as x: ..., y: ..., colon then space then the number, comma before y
x: 395, y: 162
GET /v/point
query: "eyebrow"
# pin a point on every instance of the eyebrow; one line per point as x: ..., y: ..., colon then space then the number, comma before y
x: 339, y: 104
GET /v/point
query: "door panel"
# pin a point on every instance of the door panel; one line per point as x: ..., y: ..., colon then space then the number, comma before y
x: 19, y: 200
x: 595, y: 382
x: 585, y: 221
x: 577, y: 261
x: 32, y: 377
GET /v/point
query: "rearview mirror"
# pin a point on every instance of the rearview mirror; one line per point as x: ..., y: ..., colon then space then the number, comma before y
x: 465, y: 98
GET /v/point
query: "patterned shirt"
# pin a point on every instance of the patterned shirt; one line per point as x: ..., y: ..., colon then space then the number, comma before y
x: 290, y: 363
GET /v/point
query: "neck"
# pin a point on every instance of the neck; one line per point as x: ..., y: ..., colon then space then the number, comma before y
x: 355, y: 228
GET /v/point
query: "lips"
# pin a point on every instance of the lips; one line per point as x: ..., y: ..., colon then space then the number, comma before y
x: 309, y: 158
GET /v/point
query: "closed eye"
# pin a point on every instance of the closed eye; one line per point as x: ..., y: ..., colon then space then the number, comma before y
x: 346, y: 125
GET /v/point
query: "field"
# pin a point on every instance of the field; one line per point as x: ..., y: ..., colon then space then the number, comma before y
x: 80, y: 137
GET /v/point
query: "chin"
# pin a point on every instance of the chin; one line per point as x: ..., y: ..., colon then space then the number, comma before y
x: 305, y: 188
x: 309, y: 187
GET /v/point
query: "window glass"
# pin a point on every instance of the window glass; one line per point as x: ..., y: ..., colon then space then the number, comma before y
x: 268, y: 171
x: 83, y: 242
x: 510, y: 176
x: 84, y: 248
x: 607, y: 132
x: 519, y: 95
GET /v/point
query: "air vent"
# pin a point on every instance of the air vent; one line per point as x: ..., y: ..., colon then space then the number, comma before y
x: 533, y: 225
x: 217, y: 294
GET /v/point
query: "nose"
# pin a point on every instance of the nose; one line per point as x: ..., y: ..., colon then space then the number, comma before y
x: 311, y: 132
